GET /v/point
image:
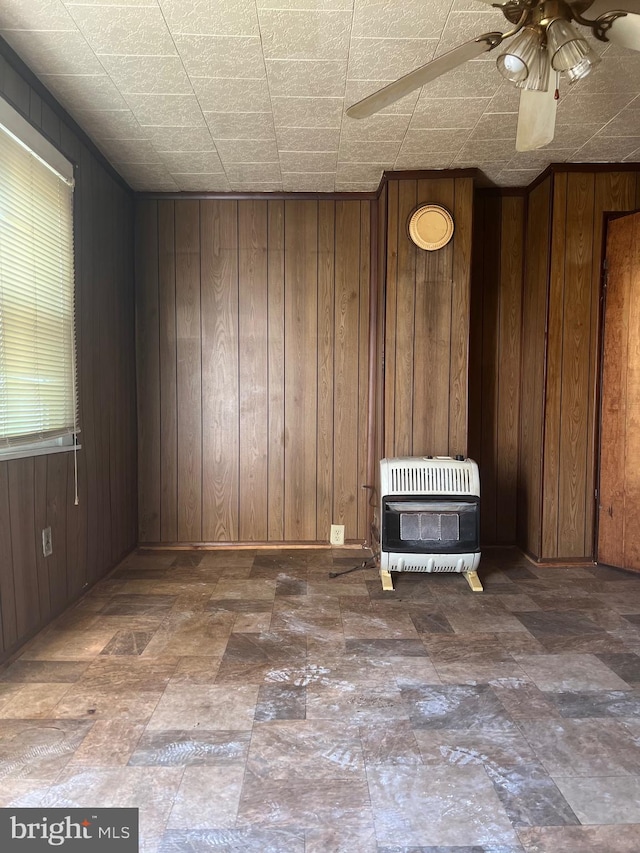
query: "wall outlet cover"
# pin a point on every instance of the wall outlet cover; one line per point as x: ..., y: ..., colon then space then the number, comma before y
x: 47, y: 544
x: 336, y: 536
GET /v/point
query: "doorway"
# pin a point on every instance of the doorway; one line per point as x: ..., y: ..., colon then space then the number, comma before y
x: 618, y: 538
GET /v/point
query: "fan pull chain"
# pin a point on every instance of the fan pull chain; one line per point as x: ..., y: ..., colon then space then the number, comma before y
x: 556, y: 94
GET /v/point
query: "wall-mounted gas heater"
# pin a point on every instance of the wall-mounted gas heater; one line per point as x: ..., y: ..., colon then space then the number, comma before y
x: 430, y: 517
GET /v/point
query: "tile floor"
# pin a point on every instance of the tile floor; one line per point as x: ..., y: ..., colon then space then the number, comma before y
x: 246, y: 701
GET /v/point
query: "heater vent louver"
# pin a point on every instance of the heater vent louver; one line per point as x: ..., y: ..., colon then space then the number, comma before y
x: 409, y: 476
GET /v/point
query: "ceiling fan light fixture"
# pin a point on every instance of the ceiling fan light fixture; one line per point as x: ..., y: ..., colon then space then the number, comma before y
x: 520, y: 57
x: 538, y: 78
x: 584, y: 67
x: 567, y: 47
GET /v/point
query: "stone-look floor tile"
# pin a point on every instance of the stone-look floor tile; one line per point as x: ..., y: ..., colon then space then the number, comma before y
x: 604, y: 643
x: 306, y: 750
x: 425, y: 806
x: 128, y: 643
x: 252, y: 623
x: 238, y: 672
x: 477, y: 673
x: 305, y: 622
x: 581, y: 839
x: 280, y: 702
x: 200, y: 706
x: 8, y: 692
x: 38, y: 749
x: 452, y: 706
x: 430, y: 622
x: 475, y: 620
x: 187, y: 558
x: 275, y: 647
x: 208, y: 797
x: 288, y: 585
x: 337, y: 587
x: 68, y: 645
x: 603, y: 800
x: 43, y: 672
x: 523, y: 700
x: 138, y: 605
x: 196, y: 669
x: 255, y: 588
x: 520, y: 643
x: 597, y: 703
x: 186, y: 634
x: 245, y: 839
x: 457, y: 748
x: 21, y: 793
x: 370, y: 626
x: 584, y: 747
x: 361, y: 703
x: 126, y: 787
x: 179, y: 748
x: 240, y: 605
x: 473, y: 848
x: 458, y: 649
x: 626, y: 666
x: 340, y: 839
x: 34, y: 700
x: 391, y: 744
x: 530, y: 796
x: 570, y: 672
x: 304, y: 803
x: 386, y: 648
x: 110, y: 743
x: 108, y: 704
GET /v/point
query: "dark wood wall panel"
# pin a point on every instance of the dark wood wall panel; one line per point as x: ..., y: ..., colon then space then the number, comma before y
x: 494, y: 371
x: 38, y: 492
x: 427, y: 324
x: 262, y: 329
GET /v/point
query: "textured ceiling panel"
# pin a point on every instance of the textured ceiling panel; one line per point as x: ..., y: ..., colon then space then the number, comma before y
x: 250, y: 95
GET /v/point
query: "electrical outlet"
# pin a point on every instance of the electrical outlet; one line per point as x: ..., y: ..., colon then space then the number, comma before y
x: 336, y: 537
x: 47, y: 544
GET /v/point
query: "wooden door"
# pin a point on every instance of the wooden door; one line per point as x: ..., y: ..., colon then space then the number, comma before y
x: 619, y: 493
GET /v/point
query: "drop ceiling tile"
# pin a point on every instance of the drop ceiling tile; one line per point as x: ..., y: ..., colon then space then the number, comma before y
x: 109, y: 124
x: 376, y: 128
x: 474, y: 79
x: 306, y: 78
x: 496, y: 126
x: 149, y: 185
x: 363, y: 151
x: 147, y: 74
x: 448, y: 112
x: 308, y: 161
x: 521, y: 178
x: 127, y: 30
x: 54, y: 52
x: 613, y: 149
x: 314, y: 182
x: 308, y: 138
x: 594, y: 107
x: 359, y: 172
x: 465, y: 26
x: 443, y: 141
x: 336, y: 5
x: 84, y: 91
x: 626, y: 123
x: 247, y: 150
x: 129, y: 150
x: 382, y: 59
x: 616, y: 74
x: 505, y: 100
x: 538, y: 159
x: 166, y: 110
x: 35, y: 15
x: 256, y: 187
x: 571, y: 135
x: 221, y: 94
x: 356, y: 90
x: 477, y: 150
x: 307, y: 112
x: 194, y: 162
x: 170, y: 139
x: 221, y: 56
x: 240, y: 125
x: 492, y: 170
x: 110, y: 2
x: 424, y: 161
x: 309, y: 34
x: 390, y: 19
x: 357, y: 187
x: 259, y: 172
x: 201, y: 182
x: 228, y: 18
x: 144, y: 172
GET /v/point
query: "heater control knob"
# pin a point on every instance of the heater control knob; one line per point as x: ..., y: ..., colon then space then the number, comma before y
x: 459, y: 457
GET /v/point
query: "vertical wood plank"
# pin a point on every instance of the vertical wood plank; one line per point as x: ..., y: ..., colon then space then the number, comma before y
x: 346, y: 353
x: 363, y: 438
x: 7, y: 583
x: 326, y: 349
x: 56, y: 518
x: 253, y: 370
x: 189, y: 379
x: 25, y: 574
x: 220, y: 391
x: 40, y: 522
x: 168, y: 373
x: 632, y: 426
x: 301, y: 316
x: 390, y: 313
x: 405, y: 324
x: 275, y: 356
x: 463, y: 216
x: 147, y: 336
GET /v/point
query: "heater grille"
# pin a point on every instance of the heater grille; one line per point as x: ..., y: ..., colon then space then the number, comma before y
x: 409, y: 476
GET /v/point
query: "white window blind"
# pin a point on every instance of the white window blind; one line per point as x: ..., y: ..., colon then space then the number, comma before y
x: 37, y: 335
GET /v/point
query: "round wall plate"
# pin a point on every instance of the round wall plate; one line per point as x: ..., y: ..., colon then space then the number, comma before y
x: 430, y: 226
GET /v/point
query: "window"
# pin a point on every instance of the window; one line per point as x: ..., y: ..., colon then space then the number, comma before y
x: 38, y: 401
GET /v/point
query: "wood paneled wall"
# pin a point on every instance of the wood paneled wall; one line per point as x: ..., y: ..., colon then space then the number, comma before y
x: 253, y: 355
x: 560, y: 369
x: 38, y: 492
x: 426, y: 345
x: 494, y: 370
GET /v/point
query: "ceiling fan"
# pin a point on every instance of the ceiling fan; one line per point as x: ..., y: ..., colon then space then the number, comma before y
x: 545, y: 40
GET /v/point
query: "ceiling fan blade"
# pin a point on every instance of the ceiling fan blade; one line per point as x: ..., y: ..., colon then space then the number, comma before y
x: 624, y: 31
x: 536, y: 119
x: 425, y: 74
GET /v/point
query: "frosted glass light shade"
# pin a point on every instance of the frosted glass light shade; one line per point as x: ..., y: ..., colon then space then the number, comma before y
x: 517, y: 61
x: 567, y: 47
